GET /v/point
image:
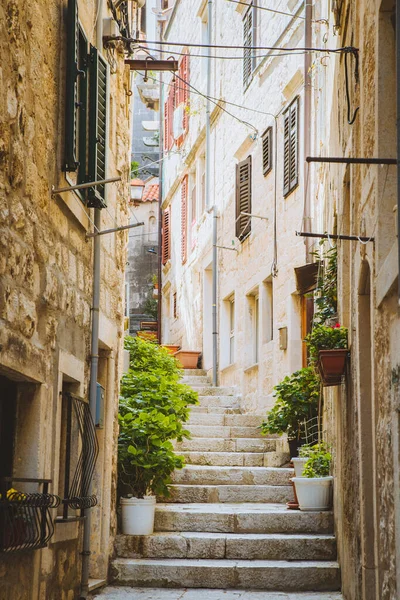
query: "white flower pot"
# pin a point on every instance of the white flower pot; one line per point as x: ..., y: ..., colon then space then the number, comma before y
x: 138, y: 515
x: 298, y: 464
x: 313, y: 493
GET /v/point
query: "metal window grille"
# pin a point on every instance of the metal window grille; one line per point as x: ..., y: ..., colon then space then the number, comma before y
x: 81, y: 451
x: 25, y: 519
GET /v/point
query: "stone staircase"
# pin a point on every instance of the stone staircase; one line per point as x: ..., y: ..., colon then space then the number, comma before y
x: 226, y: 525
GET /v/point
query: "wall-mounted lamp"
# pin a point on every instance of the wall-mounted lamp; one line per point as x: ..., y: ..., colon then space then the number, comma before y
x: 283, y: 338
x: 137, y: 188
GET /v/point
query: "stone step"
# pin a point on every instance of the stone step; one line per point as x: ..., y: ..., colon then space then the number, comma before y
x: 199, y: 380
x: 190, y: 372
x: 219, y: 401
x: 257, y: 546
x: 224, y: 431
x: 211, y: 475
x: 215, y: 391
x: 225, y: 573
x: 230, y: 493
x: 225, y: 459
x: 209, y: 444
x: 226, y: 419
x: 212, y: 410
x: 276, y: 459
x: 130, y: 593
x: 240, y: 518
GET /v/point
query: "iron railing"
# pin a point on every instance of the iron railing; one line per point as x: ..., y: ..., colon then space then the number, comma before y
x: 79, y: 471
x: 25, y: 519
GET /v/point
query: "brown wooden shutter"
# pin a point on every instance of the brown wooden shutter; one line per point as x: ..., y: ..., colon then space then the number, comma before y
x: 267, y: 151
x: 247, y: 43
x: 185, y: 93
x: 166, y: 236
x: 291, y: 144
x: 184, y: 195
x: 243, y: 198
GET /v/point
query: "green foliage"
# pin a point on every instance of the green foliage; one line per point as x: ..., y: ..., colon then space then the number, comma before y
x: 325, y: 338
x: 134, y: 169
x: 296, y: 401
x: 153, y: 408
x: 308, y: 450
x: 318, y: 465
x: 326, y: 294
x: 150, y: 306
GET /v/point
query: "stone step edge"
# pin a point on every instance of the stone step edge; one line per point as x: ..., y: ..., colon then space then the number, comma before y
x: 227, y: 562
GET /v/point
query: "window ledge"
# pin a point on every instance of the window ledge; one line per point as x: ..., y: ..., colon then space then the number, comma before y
x: 251, y: 368
x: 228, y: 367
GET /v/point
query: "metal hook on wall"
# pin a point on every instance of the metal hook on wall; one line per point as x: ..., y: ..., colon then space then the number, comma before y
x: 354, y: 52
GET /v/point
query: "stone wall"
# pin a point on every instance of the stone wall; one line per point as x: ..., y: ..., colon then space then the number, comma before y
x: 46, y: 278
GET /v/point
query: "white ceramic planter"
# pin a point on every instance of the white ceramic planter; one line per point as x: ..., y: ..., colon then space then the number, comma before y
x: 298, y: 464
x: 138, y: 515
x: 313, y: 493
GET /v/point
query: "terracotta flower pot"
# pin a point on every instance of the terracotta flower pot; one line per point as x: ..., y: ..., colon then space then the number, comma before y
x: 188, y: 358
x: 332, y: 365
x: 171, y: 348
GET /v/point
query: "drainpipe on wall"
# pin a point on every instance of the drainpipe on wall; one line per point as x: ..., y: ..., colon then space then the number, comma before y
x: 160, y: 181
x: 208, y: 203
x: 398, y: 139
x: 307, y: 121
x: 94, y: 359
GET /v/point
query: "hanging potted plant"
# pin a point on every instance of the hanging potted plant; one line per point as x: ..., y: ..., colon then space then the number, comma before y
x: 296, y: 402
x: 314, y: 487
x: 153, y: 408
x: 328, y: 350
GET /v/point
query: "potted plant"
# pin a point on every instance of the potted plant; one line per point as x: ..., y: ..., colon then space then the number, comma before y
x: 153, y: 408
x: 314, y: 487
x: 188, y: 359
x: 171, y: 348
x: 296, y: 402
x: 328, y: 350
x: 305, y: 452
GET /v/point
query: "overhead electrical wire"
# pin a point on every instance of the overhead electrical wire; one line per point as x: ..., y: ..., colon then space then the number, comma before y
x: 273, y: 10
x: 261, y: 56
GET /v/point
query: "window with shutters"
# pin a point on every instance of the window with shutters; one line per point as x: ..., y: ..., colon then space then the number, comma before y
x: 249, y: 40
x: 184, y: 218
x: 291, y: 148
x: 169, y: 108
x: 181, y: 104
x: 166, y: 238
x: 85, y: 111
x: 243, y: 198
x: 267, y: 151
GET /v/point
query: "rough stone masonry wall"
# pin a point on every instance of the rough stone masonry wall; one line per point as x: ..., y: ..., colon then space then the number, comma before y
x: 362, y: 210
x: 46, y: 269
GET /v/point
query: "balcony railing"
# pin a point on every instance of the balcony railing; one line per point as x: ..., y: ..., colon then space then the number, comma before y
x: 25, y: 519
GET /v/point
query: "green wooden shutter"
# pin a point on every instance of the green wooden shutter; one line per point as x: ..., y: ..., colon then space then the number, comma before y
x: 97, y: 127
x: 71, y: 92
x: 243, y: 198
x: 291, y: 144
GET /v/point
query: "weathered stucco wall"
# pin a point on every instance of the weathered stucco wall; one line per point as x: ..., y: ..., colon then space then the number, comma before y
x: 46, y: 279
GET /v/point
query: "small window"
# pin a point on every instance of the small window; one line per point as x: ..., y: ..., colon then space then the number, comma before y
x: 232, y: 330
x: 267, y: 151
x: 291, y: 145
x: 249, y: 40
x: 243, y: 198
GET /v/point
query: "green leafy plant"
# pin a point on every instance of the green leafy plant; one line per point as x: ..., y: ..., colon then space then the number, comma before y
x: 318, y: 465
x: 308, y: 450
x: 153, y: 408
x: 296, y: 401
x: 325, y: 338
x: 326, y: 293
x: 134, y: 169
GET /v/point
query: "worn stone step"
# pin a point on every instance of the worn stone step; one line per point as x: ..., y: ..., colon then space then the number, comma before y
x: 276, y: 459
x: 214, y: 410
x: 130, y: 593
x: 225, y: 573
x: 216, y: 431
x: 196, y: 380
x: 190, y: 372
x: 211, y: 475
x: 240, y: 518
x: 256, y: 546
x: 215, y: 391
x: 220, y: 401
x: 230, y: 493
x: 225, y: 459
x: 226, y: 419
x: 210, y: 444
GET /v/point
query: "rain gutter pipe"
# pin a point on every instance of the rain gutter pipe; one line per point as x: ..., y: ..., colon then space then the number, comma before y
x: 398, y: 140
x: 94, y: 358
x: 161, y: 117
x: 307, y: 119
x: 212, y: 209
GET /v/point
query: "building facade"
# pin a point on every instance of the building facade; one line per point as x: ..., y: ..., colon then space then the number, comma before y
x: 65, y: 93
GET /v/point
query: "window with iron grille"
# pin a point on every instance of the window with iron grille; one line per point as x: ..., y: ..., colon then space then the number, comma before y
x: 85, y: 110
x: 249, y: 40
x: 267, y: 151
x: 291, y: 146
x: 243, y: 198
